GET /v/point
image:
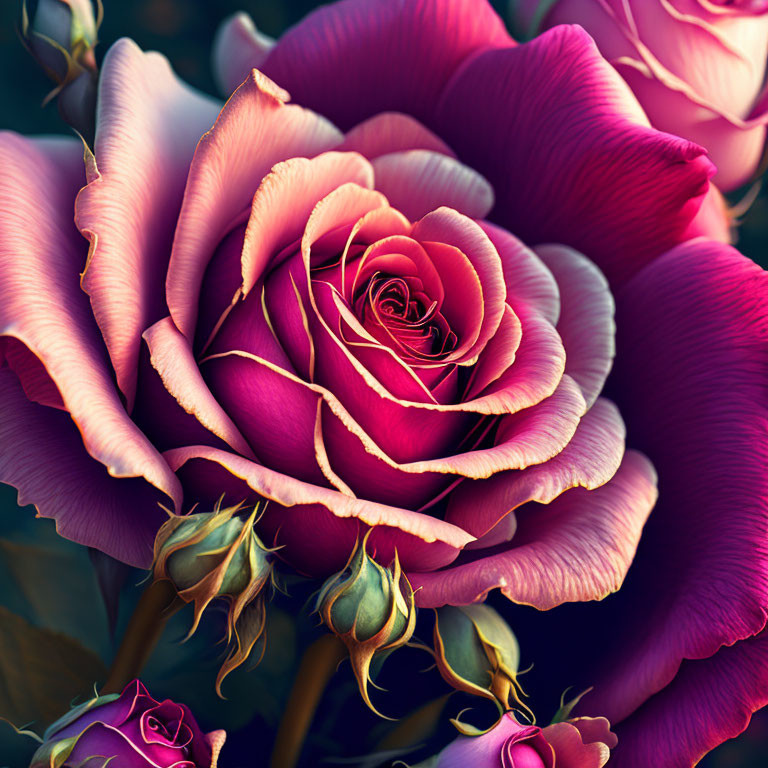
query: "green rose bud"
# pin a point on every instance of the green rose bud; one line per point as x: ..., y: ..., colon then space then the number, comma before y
x: 209, y: 555
x: 476, y: 652
x: 370, y: 608
x: 61, y: 36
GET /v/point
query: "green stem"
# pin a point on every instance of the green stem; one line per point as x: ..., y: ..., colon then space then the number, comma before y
x: 316, y: 669
x: 156, y: 605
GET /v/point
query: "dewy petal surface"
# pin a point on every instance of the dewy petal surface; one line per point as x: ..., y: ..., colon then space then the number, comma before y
x: 569, y: 152
x: 354, y: 59
x: 41, y: 305
x: 147, y: 125
x: 579, y: 547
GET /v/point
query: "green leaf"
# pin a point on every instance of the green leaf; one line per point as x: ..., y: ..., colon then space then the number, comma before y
x: 41, y: 672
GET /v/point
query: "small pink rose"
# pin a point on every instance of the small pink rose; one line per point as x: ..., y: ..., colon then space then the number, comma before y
x: 580, y: 743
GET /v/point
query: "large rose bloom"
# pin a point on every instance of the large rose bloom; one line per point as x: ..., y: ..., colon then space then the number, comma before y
x: 310, y: 304
x: 697, y: 67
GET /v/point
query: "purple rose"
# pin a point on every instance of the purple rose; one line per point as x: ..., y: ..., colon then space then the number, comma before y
x: 583, y: 742
x: 133, y: 729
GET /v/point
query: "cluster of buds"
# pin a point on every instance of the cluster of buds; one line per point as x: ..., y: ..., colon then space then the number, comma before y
x: 209, y: 555
x: 370, y: 608
x: 61, y: 36
x: 477, y: 653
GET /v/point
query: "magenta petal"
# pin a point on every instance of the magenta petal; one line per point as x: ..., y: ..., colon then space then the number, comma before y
x: 255, y: 130
x: 44, y: 458
x: 353, y: 59
x: 709, y: 701
x: 521, y: 115
x: 147, y: 126
x: 171, y: 356
x: 579, y: 547
x: 692, y: 372
x: 41, y: 304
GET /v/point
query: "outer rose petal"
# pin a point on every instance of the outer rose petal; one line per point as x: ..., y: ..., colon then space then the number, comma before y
x: 41, y: 304
x: 147, y: 125
x: 44, y: 458
x: 579, y: 547
x: 691, y: 382
x: 237, y: 49
x: 709, y: 701
x: 255, y: 130
x: 353, y: 59
x: 522, y: 115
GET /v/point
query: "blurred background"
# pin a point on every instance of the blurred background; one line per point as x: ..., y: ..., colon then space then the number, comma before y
x: 183, y: 30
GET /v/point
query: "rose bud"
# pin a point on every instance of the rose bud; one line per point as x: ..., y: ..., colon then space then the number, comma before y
x: 131, y: 728
x: 208, y: 555
x: 370, y: 608
x: 61, y: 35
x: 697, y: 67
x: 581, y: 743
x: 476, y: 652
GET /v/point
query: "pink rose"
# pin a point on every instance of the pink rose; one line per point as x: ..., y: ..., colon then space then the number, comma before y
x: 697, y: 67
x: 348, y: 305
x: 584, y: 742
x: 133, y: 729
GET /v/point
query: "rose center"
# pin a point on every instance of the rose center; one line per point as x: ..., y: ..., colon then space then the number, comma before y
x: 396, y: 311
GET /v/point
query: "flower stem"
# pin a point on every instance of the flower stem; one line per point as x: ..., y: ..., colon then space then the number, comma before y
x: 316, y: 669
x: 156, y: 605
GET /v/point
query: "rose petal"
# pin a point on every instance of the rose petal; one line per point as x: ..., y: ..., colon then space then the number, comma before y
x: 41, y: 305
x: 586, y: 323
x: 527, y: 278
x: 579, y: 547
x: 691, y: 375
x: 237, y: 49
x: 571, y: 751
x: 288, y: 491
x: 591, y: 459
x: 417, y: 181
x: 709, y: 701
x: 452, y: 228
x: 171, y: 356
x: 44, y: 459
x: 521, y: 115
x: 353, y: 59
x: 293, y: 189
x: 391, y: 132
x: 255, y: 130
x: 148, y: 123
